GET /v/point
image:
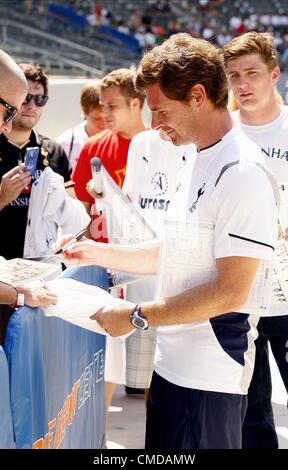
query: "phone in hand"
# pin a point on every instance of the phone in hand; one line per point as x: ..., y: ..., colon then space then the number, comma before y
x: 30, y: 159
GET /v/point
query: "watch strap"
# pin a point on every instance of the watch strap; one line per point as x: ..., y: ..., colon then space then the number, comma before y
x: 20, y: 299
x: 136, y: 311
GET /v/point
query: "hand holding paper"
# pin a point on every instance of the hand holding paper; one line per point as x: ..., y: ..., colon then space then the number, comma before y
x: 115, y: 318
x: 78, y: 302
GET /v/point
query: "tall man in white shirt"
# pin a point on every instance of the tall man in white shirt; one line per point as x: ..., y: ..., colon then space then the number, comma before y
x: 253, y: 71
x: 151, y: 179
x: 213, y: 244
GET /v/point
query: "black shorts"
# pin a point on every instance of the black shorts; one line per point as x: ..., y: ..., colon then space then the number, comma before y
x: 185, y: 418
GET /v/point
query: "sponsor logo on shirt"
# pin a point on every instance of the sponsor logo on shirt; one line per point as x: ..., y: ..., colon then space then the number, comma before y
x: 159, y: 184
x: 273, y: 152
x: 20, y: 202
x: 153, y: 203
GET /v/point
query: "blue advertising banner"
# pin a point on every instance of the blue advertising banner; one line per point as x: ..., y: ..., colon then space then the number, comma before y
x: 68, y: 15
x: 57, y: 377
x: 6, y: 428
x: 121, y: 39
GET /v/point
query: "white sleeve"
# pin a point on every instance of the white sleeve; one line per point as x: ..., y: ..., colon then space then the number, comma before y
x: 64, y: 140
x: 130, y: 176
x: 245, y: 213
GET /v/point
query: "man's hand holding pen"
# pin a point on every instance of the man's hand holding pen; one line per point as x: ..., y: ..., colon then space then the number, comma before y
x: 76, y: 249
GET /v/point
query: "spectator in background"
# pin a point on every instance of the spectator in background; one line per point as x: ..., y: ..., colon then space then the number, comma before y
x: 252, y: 67
x: 73, y: 139
x: 121, y: 107
x: 15, y: 192
x: 28, y: 5
x: 135, y: 21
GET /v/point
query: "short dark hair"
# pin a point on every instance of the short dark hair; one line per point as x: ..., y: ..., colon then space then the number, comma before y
x: 35, y: 73
x: 125, y: 80
x: 181, y: 62
x: 90, y: 97
x: 252, y: 43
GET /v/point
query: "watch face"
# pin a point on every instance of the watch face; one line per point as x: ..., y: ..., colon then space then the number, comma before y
x: 138, y: 322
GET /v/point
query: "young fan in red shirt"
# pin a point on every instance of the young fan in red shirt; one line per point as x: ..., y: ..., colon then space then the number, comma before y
x: 121, y: 107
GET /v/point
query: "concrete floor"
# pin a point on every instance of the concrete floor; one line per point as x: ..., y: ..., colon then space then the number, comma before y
x: 126, y: 420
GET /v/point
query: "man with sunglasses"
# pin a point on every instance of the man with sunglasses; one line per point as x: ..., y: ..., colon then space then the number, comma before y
x: 13, y: 89
x: 16, y: 187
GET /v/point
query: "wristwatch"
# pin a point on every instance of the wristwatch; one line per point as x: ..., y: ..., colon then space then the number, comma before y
x: 137, y: 319
x: 20, y: 300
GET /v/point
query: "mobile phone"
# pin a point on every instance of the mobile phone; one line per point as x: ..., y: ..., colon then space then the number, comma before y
x: 30, y: 159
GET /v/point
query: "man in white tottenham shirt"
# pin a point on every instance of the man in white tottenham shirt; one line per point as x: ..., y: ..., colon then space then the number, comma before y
x: 151, y: 179
x: 205, y: 331
x: 253, y: 72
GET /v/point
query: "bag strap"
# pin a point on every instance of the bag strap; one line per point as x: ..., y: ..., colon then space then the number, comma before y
x: 71, y: 145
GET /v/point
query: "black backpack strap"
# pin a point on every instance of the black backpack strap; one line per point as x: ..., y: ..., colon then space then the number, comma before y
x: 71, y: 145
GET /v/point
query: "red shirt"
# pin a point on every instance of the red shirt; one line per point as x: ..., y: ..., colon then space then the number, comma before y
x: 112, y: 149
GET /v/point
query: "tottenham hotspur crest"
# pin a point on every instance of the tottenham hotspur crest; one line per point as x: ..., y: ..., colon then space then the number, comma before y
x: 200, y: 193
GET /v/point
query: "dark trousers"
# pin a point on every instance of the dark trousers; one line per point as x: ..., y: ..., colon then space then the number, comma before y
x: 259, y: 428
x: 184, y: 418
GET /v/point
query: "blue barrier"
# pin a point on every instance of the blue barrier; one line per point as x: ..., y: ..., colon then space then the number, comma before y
x: 57, y: 377
x: 6, y: 428
x: 121, y: 39
x: 67, y: 15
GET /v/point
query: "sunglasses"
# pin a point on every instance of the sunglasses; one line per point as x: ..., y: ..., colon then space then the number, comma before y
x: 10, y: 110
x: 39, y: 100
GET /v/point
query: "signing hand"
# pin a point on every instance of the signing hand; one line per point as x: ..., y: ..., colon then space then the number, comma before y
x: 80, y: 253
x: 115, y: 319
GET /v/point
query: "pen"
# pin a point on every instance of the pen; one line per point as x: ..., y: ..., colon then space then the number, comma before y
x: 75, y: 239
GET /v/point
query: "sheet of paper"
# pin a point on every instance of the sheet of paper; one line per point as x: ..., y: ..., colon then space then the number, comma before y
x: 187, y: 260
x: 78, y: 301
x: 22, y: 271
x: 124, y: 223
x: 280, y: 279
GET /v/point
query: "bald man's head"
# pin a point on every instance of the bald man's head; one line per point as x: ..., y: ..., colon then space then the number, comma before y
x: 13, y: 87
